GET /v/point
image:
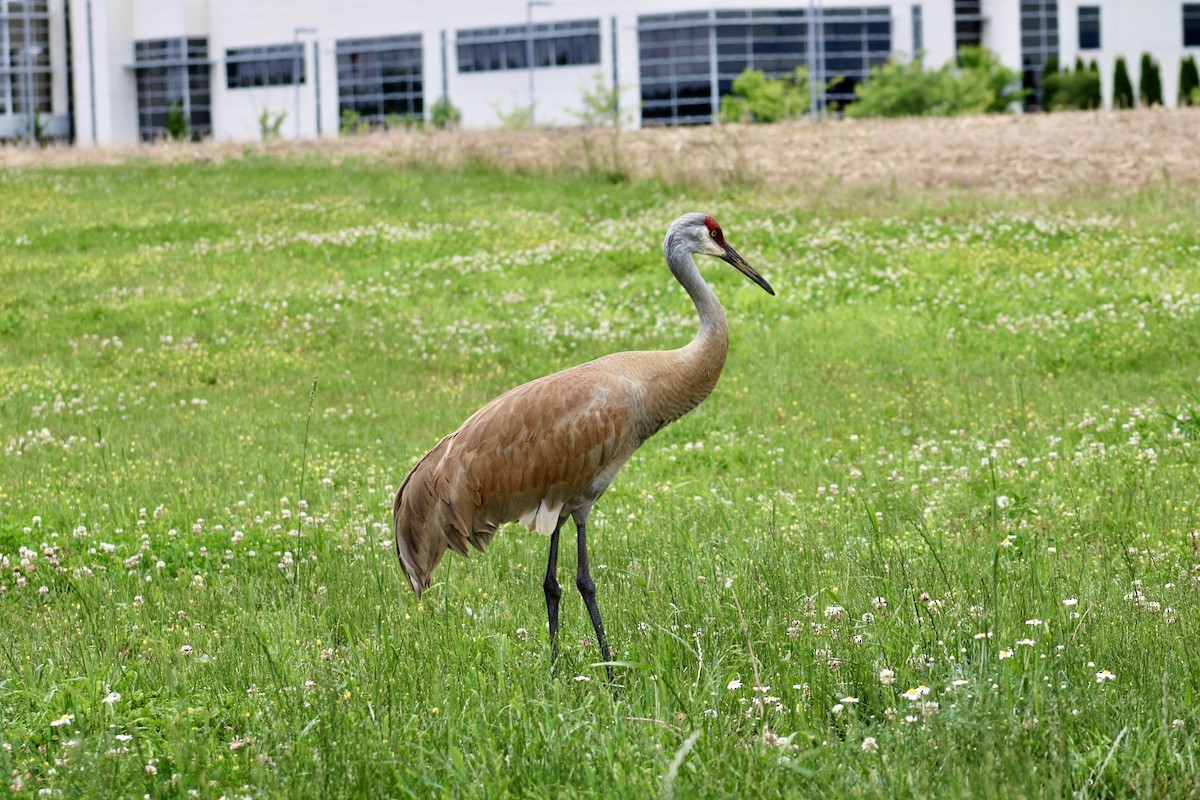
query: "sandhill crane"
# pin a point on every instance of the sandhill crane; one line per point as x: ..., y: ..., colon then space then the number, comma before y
x: 548, y: 449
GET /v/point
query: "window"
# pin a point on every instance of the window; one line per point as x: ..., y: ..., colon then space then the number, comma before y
x: 379, y: 77
x: 1191, y: 24
x: 275, y: 65
x: 683, y: 57
x: 1089, y: 27
x: 968, y: 23
x: 24, y: 73
x: 554, y: 44
x: 1039, y: 42
x: 173, y: 72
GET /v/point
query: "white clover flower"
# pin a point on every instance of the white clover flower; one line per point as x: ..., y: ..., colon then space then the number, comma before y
x: 887, y: 677
x: 111, y: 697
x: 869, y: 745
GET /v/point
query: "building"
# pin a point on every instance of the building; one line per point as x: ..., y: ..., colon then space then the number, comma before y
x: 121, y: 71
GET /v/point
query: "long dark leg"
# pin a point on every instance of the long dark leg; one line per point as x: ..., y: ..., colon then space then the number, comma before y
x: 587, y: 588
x: 553, y: 593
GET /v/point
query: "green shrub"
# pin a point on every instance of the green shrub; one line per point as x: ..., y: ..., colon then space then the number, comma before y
x: 978, y: 84
x: 757, y: 98
x: 1189, y: 81
x: 1071, y: 90
x: 392, y: 120
x: 1122, y: 86
x: 176, y: 122
x: 270, y: 124
x: 443, y: 114
x: 1150, y: 82
x: 1097, y: 92
x: 353, y: 123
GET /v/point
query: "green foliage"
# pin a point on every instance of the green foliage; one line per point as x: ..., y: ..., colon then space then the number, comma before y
x: 444, y: 115
x: 601, y: 111
x: 1189, y: 81
x: 1150, y: 82
x: 963, y: 428
x: 176, y: 122
x: 353, y: 123
x: 392, y: 121
x: 1071, y: 90
x: 1122, y: 86
x: 1097, y: 99
x: 270, y: 124
x: 757, y: 98
x: 517, y: 118
x: 600, y: 105
x: 978, y: 84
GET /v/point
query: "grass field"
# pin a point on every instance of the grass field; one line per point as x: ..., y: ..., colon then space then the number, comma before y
x: 933, y: 535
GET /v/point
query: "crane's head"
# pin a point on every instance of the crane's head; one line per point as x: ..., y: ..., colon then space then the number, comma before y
x: 700, y: 233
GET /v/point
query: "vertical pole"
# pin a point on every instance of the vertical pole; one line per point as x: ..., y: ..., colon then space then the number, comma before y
x: 713, y: 85
x: 529, y: 54
x: 29, y: 104
x: 92, y: 70
x: 811, y: 54
x: 616, y: 85
x: 296, y: 76
x: 445, y: 76
x: 317, y: 84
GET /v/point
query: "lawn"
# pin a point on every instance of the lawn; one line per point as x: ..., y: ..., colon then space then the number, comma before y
x: 933, y: 535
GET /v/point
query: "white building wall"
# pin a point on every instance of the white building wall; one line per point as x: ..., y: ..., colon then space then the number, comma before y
x: 1128, y: 27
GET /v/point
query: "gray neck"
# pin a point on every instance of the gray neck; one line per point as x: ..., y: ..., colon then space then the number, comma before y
x: 712, y: 316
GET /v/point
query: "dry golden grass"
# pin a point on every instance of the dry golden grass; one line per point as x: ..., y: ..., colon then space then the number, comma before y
x: 1034, y: 155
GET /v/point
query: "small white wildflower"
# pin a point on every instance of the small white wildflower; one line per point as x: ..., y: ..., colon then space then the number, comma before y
x: 1104, y: 675
x: 1005, y: 654
x: 186, y: 649
x: 1070, y: 601
x: 111, y: 697
x: 65, y: 719
x: 734, y: 685
x: 887, y: 677
x: 869, y: 745
x: 582, y: 678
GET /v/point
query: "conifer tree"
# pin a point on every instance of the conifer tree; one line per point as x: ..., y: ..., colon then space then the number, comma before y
x: 1189, y: 81
x: 1150, y: 82
x: 1122, y: 86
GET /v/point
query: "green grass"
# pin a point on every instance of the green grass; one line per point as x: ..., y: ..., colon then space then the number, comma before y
x: 952, y: 422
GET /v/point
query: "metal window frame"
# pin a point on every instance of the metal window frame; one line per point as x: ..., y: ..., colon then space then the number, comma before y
x: 1088, y: 14
x: 721, y: 27
x: 521, y: 38
x: 268, y: 56
x: 179, y: 70
x: 356, y: 91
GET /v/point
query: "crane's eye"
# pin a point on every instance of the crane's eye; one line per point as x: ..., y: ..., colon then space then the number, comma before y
x: 715, y: 234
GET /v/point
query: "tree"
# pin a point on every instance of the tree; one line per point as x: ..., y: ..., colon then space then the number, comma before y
x: 1097, y: 100
x: 978, y: 84
x: 1122, y: 86
x: 757, y: 98
x: 176, y: 122
x: 1189, y: 80
x: 444, y: 114
x: 1150, y: 82
x: 1003, y: 82
x: 1071, y: 90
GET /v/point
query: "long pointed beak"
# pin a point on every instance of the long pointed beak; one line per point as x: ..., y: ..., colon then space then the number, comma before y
x: 732, y: 258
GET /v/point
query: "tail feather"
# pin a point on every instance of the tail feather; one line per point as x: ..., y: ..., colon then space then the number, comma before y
x: 428, y: 521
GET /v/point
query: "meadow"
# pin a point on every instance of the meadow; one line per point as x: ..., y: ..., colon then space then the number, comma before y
x: 933, y: 535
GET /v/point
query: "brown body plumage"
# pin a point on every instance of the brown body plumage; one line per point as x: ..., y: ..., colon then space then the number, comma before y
x: 549, y: 448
